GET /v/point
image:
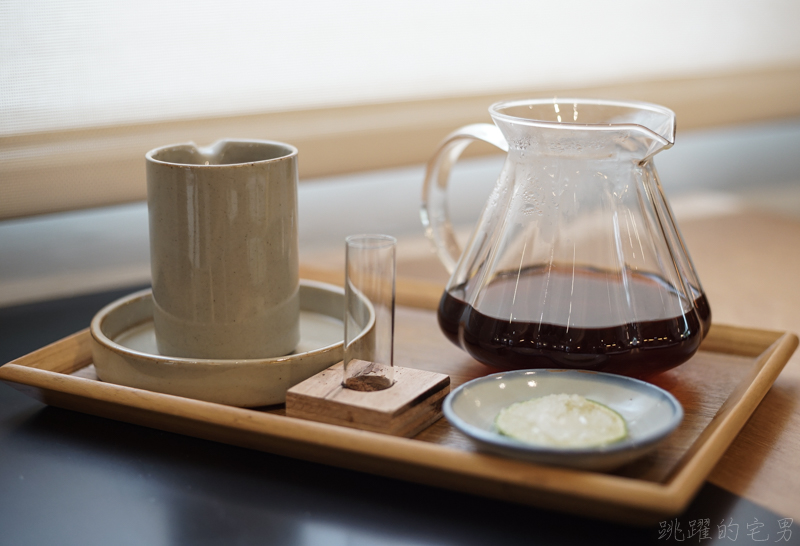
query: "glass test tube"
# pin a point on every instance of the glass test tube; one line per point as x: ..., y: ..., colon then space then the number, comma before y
x: 369, y: 312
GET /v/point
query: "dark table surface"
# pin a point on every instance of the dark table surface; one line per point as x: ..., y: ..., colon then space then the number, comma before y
x: 69, y: 478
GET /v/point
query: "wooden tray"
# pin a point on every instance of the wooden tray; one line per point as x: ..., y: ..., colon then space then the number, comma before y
x: 719, y: 387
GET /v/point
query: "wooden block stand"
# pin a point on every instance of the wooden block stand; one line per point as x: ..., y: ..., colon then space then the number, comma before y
x: 409, y: 406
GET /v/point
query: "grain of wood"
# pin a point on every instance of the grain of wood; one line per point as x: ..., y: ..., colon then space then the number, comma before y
x: 438, y: 456
x: 412, y: 403
x: 749, y: 267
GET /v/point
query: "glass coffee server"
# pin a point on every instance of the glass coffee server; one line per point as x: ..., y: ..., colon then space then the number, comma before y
x: 576, y: 260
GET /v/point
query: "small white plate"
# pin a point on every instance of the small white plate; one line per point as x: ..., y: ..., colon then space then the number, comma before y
x: 124, y: 352
x: 650, y: 412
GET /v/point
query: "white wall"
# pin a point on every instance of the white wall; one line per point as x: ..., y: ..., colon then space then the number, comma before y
x: 94, y: 62
x: 706, y: 173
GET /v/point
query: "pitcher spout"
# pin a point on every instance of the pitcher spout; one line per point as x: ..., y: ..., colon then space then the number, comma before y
x: 657, y: 126
x: 580, y: 127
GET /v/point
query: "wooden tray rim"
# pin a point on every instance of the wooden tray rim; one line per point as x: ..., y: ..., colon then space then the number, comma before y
x: 43, y: 374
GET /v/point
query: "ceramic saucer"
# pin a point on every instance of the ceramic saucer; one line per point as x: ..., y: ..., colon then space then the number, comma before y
x: 124, y: 352
x: 650, y: 413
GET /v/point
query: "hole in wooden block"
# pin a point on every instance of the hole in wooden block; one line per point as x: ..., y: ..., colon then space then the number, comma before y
x: 361, y: 375
x: 410, y: 405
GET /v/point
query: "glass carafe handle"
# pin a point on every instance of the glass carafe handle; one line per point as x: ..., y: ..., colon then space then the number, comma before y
x: 435, y: 213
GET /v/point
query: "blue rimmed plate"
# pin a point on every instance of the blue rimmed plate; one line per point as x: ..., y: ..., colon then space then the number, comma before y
x: 651, y: 414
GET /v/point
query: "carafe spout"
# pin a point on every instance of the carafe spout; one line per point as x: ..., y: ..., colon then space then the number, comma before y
x: 586, y: 128
x: 658, y: 130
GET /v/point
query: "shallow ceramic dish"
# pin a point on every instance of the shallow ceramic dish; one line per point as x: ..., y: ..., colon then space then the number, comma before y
x: 650, y: 412
x: 124, y: 352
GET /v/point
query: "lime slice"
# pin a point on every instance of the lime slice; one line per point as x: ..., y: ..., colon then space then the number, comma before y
x: 562, y: 420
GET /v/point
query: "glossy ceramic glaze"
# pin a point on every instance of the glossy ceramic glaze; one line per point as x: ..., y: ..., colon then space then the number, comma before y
x: 223, y: 249
x: 650, y: 413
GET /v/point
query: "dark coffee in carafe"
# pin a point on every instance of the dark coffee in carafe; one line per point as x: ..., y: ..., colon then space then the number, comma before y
x: 509, y: 333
